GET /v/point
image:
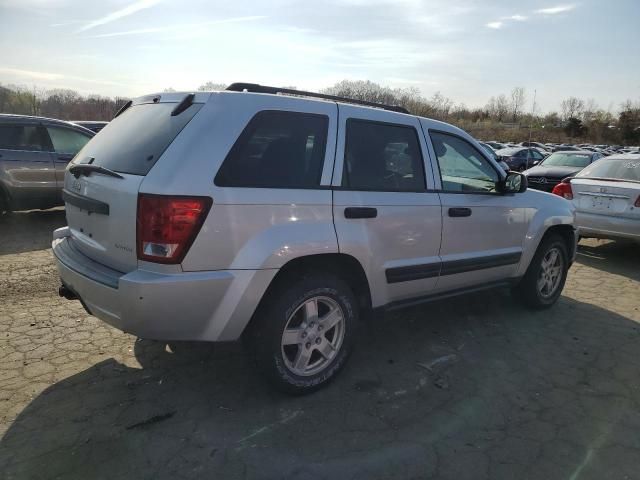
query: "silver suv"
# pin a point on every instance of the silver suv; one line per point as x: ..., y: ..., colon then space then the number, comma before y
x: 286, y: 219
x: 34, y: 153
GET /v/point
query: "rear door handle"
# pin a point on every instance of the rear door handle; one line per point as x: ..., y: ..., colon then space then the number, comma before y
x: 360, y: 212
x: 459, y: 212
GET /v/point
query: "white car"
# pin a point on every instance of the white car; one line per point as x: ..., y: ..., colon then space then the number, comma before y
x: 606, y: 195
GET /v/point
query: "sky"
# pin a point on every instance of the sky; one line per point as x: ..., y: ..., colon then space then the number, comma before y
x: 469, y: 50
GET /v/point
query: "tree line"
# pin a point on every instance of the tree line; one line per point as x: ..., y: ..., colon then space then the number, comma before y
x: 504, y: 117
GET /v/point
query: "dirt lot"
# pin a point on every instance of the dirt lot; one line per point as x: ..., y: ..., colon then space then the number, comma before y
x: 471, y: 388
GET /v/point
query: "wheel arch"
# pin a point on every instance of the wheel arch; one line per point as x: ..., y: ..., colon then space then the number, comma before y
x: 345, y: 266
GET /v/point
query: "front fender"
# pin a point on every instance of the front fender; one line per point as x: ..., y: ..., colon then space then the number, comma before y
x: 552, y: 211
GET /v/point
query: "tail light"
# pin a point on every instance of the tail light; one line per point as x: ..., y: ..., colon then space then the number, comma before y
x: 564, y: 190
x: 168, y: 225
x: 637, y: 204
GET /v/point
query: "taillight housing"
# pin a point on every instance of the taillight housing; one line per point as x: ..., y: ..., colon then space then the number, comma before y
x: 637, y: 204
x: 166, y: 226
x: 563, y: 189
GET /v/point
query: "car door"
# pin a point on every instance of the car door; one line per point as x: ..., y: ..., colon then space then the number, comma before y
x: 482, y: 230
x: 66, y: 143
x: 27, y: 166
x: 386, y: 212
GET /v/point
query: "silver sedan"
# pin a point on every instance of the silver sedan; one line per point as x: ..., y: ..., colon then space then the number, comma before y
x: 606, y: 195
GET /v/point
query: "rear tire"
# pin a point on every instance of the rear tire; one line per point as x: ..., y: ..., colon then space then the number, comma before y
x: 303, y: 334
x: 542, y: 285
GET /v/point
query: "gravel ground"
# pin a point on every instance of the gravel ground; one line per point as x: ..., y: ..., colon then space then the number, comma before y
x: 475, y: 387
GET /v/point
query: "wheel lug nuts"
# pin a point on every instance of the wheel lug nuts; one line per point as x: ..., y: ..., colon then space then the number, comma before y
x: 318, y: 340
x: 319, y: 327
x: 312, y: 324
x: 308, y: 345
x: 304, y: 334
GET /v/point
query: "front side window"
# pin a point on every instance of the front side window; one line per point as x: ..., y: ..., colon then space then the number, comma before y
x: 23, y: 137
x: 278, y: 150
x: 462, y: 167
x: 66, y: 141
x: 382, y: 157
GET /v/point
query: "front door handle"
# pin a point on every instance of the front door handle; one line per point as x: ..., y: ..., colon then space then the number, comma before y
x: 360, y: 212
x: 459, y: 212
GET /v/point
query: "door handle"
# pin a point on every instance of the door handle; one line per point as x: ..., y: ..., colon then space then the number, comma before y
x: 360, y: 212
x: 459, y: 212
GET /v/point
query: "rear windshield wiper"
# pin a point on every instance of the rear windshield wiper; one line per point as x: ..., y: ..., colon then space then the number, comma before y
x: 87, y: 169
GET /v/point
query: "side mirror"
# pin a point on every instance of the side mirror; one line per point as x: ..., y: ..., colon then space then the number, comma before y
x: 515, y: 182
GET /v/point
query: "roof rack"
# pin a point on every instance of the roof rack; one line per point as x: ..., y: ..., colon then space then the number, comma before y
x: 255, y: 88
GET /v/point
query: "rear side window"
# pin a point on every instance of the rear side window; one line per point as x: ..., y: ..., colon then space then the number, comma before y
x: 24, y: 137
x: 67, y: 141
x: 133, y: 141
x: 278, y: 150
x: 382, y: 157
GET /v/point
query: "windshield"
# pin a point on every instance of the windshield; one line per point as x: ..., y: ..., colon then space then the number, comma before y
x: 133, y: 141
x: 618, y: 168
x: 567, y: 160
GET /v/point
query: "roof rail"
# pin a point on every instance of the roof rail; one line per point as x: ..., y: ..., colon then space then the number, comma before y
x: 255, y: 88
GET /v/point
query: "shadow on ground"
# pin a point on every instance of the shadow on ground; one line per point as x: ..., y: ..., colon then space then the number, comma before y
x: 477, y: 388
x: 28, y: 231
x: 617, y: 257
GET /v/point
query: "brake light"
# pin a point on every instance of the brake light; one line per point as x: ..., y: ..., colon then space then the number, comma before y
x: 564, y: 190
x: 166, y: 226
x: 637, y: 204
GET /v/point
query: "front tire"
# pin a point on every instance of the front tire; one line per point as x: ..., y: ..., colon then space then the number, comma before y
x: 304, y: 333
x: 542, y: 285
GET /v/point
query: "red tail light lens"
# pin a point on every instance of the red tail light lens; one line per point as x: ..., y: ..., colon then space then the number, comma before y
x: 167, y: 226
x: 564, y: 190
x: 637, y: 204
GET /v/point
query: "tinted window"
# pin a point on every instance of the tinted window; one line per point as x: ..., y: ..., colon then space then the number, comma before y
x: 277, y: 149
x: 133, y: 141
x: 65, y: 140
x: 382, y: 157
x: 23, y: 137
x: 619, y: 168
x: 462, y: 167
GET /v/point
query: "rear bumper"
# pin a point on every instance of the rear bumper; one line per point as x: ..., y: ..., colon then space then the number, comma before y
x: 210, y: 306
x: 607, y: 226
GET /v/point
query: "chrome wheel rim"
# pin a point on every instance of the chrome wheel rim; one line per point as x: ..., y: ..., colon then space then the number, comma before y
x: 550, y: 273
x: 312, y: 336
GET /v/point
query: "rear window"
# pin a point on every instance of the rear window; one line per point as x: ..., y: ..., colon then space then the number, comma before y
x: 278, y: 150
x: 133, y: 142
x: 618, y: 168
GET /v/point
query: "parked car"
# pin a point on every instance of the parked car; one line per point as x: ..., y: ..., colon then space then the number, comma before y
x: 520, y: 158
x: 557, y: 167
x: 537, y: 145
x: 494, y: 155
x: 93, y: 125
x: 565, y: 148
x: 496, y: 145
x: 606, y: 195
x: 34, y: 152
x: 264, y: 212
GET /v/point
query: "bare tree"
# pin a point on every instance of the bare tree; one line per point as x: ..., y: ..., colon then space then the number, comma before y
x: 571, y: 107
x: 518, y: 99
x: 209, y: 86
x: 502, y: 107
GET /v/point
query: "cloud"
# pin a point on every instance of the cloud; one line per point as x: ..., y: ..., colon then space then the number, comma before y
x: 557, y: 9
x: 495, y: 25
x: 48, y: 76
x: 517, y: 18
x: 124, y: 12
x: 179, y: 28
